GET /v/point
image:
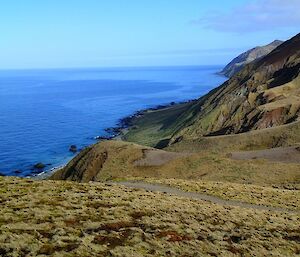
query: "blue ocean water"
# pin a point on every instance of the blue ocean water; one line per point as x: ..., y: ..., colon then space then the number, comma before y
x: 43, y: 112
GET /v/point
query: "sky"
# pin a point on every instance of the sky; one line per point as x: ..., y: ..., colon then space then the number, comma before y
x: 101, y: 33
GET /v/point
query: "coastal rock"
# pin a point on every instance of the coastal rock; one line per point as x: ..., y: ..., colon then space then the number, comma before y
x: 17, y: 171
x: 39, y: 166
x: 113, y: 130
x: 102, y: 137
x: 73, y: 148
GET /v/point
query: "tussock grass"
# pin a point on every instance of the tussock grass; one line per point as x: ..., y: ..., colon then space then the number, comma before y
x: 133, y: 223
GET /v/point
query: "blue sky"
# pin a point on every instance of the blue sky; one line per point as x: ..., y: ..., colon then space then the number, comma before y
x: 100, y: 33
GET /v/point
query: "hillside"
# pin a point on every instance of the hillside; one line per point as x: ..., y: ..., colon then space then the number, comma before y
x: 251, y: 55
x: 60, y: 218
x: 264, y: 94
x: 248, y: 201
x: 114, y: 160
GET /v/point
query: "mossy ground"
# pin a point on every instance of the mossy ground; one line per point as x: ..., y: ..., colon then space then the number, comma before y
x: 59, y: 218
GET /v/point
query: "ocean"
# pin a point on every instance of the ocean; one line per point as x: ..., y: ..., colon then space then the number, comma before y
x: 43, y: 112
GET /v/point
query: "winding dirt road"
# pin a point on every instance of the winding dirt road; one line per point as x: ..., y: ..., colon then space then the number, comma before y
x: 198, y: 196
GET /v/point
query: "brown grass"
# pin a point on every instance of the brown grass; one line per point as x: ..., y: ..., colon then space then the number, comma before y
x: 204, y: 165
x: 137, y: 223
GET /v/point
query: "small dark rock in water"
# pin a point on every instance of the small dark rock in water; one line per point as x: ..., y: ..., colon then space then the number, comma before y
x: 73, y: 148
x: 17, y: 171
x: 39, y: 166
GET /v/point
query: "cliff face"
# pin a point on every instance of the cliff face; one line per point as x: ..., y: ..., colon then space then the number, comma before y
x: 240, y: 61
x: 264, y: 94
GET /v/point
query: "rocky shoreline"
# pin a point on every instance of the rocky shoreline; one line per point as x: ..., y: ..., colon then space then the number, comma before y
x: 125, y: 123
x: 113, y: 133
x: 47, y: 173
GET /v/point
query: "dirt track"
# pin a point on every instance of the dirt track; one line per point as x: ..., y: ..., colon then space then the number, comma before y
x: 198, y: 196
x: 280, y: 154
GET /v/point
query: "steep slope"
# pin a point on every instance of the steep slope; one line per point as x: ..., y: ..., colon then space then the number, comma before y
x: 240, y: 61
x: 266, y: 93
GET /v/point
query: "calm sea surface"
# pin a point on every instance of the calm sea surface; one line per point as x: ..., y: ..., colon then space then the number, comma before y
x: 43, y: 112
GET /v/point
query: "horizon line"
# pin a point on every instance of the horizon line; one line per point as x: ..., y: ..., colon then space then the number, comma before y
x: 108, y: 67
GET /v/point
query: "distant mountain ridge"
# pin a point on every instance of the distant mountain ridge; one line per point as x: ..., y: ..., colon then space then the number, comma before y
x: 253, y: 54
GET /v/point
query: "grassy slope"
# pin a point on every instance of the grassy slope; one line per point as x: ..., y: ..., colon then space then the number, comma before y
x: 285, y: 135
x: 154, y: 126
x: 149, y: 130
x: 59, y: 218
x: 239, y: 104
x: 206, y: 165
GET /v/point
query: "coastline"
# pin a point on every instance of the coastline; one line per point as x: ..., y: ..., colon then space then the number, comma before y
x: 114, y: 133
x: 124, y: 124
x: 52, y: 150
x: 47, y: 173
